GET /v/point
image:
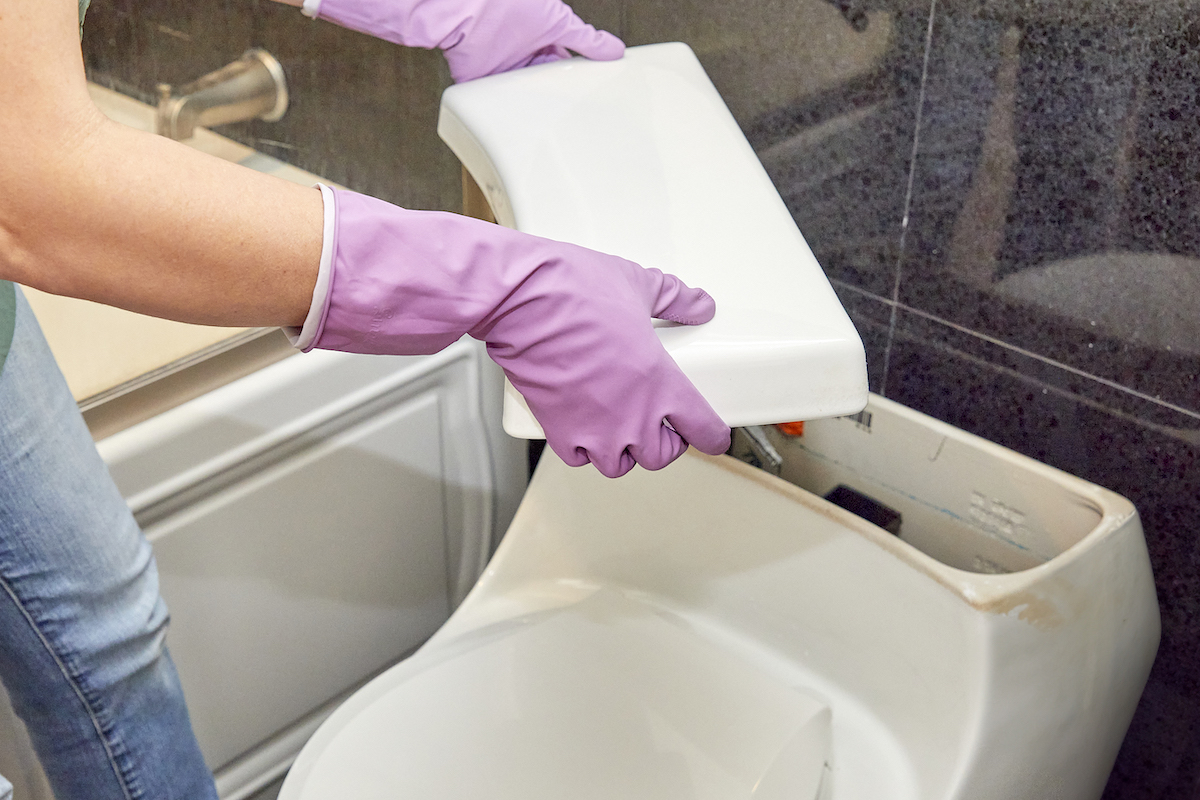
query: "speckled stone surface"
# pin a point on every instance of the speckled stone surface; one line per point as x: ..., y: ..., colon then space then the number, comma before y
x: 1022, y: 176
x: 1051, y: 202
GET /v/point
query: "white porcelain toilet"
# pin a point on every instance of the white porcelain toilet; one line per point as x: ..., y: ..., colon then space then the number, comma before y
x: 713, y: 631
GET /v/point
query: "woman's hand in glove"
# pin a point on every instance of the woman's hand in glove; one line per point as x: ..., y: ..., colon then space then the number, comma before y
x: 570, y: 327
x: 479, y: 37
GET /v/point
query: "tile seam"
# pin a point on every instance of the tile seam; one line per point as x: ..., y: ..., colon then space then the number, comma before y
x: 896, y: 307
x: 908, y: 195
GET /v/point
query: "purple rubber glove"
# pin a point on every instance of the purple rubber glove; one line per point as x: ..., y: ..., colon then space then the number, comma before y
x: 479, y: 37
x: 570, y: 327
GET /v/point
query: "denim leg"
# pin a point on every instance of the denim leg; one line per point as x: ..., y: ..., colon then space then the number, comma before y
x: 82, y: 625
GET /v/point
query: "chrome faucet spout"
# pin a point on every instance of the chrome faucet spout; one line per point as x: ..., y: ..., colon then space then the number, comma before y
x: 253, y: 87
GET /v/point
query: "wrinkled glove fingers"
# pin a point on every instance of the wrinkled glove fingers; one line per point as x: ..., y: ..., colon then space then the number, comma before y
x: 571, y: 455
x: 610, y: 463
x: 547, y: 54
x: 658, y: 447
x: 589, y: 42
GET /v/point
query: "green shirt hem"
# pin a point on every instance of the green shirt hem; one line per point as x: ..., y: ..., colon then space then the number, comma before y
x: 8, y: 293
x: 8, y: 318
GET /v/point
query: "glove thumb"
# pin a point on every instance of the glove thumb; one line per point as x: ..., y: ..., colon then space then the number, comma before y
x: 589, y: 42
x: 677, y: 302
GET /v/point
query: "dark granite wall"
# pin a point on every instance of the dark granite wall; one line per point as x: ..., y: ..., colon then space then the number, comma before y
x: 1004, y: 193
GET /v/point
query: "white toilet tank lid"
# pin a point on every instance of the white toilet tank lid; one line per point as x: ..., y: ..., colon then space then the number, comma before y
x: 641, y: 158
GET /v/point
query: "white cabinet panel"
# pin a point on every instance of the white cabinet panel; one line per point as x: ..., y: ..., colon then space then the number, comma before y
x: 295, y: 583
x: 290, y: 396
x: 313, y: 523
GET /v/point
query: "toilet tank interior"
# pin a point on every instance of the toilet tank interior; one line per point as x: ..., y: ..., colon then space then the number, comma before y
x: 962, y: 500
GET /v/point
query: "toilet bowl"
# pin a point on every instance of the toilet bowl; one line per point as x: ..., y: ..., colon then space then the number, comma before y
x: 714, y: 631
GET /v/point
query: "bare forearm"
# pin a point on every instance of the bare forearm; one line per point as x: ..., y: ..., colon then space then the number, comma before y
x: 147, y: 224
x: 91, y: 209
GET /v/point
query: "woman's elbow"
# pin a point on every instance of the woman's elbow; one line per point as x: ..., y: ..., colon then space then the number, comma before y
x: 41, y: 190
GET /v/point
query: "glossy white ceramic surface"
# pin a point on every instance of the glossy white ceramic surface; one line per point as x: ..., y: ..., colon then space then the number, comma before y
x: 942, y: 684
x: 641, y: 158
x: 606, y: 698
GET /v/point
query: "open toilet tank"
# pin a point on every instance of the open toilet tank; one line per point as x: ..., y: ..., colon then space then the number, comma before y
x: 745, y: 606
x: 713, y: 631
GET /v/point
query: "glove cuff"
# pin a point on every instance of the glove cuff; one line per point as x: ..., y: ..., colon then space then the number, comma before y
x: 305, y: 337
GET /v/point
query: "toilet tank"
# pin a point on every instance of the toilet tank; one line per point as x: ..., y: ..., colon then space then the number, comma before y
x: 1054, y: 569
x: 994, y: 649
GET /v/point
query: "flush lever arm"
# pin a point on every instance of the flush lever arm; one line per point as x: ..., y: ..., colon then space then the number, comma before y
x: 768, y: 457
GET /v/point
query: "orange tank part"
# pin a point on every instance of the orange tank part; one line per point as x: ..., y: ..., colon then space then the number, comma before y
x: 791, y: 428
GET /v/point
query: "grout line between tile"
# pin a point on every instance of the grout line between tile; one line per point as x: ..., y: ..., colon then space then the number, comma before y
x: 908, y: 194
x: 1111, y: 384
x: 1186, y: 435
x: 897, y: 306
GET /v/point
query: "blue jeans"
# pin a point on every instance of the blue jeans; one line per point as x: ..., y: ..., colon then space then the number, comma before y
x: 82, y: 625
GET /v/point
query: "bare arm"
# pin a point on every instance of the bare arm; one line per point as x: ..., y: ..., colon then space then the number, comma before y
x: 91, y: 209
